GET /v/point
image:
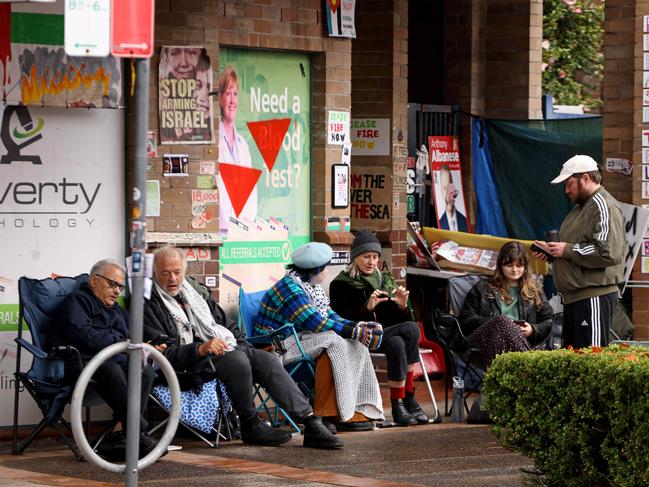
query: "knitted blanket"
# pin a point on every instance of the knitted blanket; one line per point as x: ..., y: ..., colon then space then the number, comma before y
x: 356, y: 386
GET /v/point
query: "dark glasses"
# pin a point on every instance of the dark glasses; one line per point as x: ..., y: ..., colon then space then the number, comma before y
x: 112, y: 284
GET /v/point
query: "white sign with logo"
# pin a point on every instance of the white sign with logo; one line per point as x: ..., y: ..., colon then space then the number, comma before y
x: 61, y: 210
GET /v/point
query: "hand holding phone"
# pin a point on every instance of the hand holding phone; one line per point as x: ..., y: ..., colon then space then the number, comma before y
x: 537, y: 247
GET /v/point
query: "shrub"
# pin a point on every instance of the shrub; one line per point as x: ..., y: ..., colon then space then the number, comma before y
x: 572, y: 51
x: 582, y: 416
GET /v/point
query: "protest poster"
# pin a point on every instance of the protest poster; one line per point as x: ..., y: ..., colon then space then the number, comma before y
x: 370, y: 136
x: 446, y: 172
x: 337, y: 127
x: 185, y: 83
x: 371, y: 198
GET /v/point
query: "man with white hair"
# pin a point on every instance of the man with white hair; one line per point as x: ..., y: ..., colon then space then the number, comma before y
x: 589, y: 257
x: 202, y: 344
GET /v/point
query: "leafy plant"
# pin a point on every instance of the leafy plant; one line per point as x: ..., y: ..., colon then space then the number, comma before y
x: 582, y: 416
x: 573, y: 60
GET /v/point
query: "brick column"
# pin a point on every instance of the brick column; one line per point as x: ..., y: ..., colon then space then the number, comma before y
x: 622, y: 111
x: 513, y: 32
x: 380, y: 90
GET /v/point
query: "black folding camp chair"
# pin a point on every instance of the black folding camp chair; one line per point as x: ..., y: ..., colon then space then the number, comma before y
x: 463, y: 359
x: 39, y: 300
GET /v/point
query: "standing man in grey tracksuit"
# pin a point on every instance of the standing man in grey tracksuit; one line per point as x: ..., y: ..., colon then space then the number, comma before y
x: 589, y: 257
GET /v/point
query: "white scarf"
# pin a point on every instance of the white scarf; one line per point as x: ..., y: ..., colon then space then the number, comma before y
x: 196, y: 318
x: 315, y: 292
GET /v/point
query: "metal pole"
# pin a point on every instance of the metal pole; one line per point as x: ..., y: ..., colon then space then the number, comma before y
x: 76, y: 406
x: 138, y: 249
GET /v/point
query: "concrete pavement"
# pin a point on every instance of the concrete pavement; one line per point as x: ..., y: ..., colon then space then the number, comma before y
x: 440, y: 455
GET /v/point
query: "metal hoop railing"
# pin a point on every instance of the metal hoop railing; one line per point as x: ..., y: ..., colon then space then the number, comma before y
x: 80, y: 389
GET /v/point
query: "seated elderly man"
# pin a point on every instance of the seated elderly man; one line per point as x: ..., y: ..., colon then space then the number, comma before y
x: 203, y: 343
x: 90, y: 320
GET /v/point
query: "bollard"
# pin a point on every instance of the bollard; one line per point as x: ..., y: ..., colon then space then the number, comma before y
x: 458, y: 400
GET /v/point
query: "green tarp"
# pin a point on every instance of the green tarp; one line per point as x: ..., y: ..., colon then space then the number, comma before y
x: 526, y: 156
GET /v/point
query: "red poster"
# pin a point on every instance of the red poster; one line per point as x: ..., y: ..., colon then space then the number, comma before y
x: 446, y: 173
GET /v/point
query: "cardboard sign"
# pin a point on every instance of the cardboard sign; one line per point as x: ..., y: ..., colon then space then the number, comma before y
x: 371, y: 198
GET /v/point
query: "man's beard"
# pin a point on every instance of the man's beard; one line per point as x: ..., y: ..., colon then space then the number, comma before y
x: 581, y: 196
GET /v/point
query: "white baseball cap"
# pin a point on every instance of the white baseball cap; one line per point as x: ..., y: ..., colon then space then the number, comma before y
x: 576, y: 165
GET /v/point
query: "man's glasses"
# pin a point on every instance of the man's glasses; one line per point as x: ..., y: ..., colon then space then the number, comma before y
x: 112, y: 284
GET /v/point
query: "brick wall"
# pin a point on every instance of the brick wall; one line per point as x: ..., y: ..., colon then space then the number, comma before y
x: 380, y: 90
x: 622, y: 111
x: 492, y: 66
x: 295, y: 25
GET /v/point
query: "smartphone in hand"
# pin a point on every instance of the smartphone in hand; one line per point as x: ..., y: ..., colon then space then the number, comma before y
x: 537, y: 248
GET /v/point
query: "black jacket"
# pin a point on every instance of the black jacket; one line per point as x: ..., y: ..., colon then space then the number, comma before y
x: 483, y: 303
x: 88, y: 325
x: 158, y: 321
x: 351, y: 303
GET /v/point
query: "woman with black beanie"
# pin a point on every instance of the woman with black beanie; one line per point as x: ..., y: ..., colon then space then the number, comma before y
x: 362, y: 292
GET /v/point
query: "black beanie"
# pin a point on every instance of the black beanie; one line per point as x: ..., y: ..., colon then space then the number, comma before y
x: 365, y: 241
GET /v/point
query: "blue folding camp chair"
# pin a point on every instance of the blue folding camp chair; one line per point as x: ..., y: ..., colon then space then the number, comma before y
x: 302, y: 370
x: 39, y: 301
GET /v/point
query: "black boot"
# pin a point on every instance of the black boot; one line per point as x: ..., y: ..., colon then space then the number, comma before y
x: 414, y: 408
x: 257, y: 432
x: 400, y: 414
x: 316, y: 435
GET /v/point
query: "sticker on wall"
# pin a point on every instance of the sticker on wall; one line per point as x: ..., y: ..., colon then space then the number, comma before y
x: 644, y: 269
x: 645, y: 172
x: 152, y: 198
x: 645, y: 190
x: 204, y: 208
x: 623, y: 166
x: 151, y: 144
x: 645, y: 114
x: 205, y: 181
x: 207, y: 167
x: 645, y: 139
x: 175, y: 165
x: 645, y: 248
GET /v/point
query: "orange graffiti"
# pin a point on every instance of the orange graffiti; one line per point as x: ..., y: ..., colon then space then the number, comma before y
x: 34, y: 88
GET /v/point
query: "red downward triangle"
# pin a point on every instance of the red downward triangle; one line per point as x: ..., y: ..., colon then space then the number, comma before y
x: 269, y: 135
x: 239, y: 183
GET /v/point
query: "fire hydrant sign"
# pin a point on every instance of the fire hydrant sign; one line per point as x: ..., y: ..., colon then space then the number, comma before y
x: 337, y: 128
x: 370, y: 136
x: 87, y: 27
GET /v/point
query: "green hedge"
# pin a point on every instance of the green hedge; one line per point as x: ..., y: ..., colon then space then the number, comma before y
x: 582, y: 416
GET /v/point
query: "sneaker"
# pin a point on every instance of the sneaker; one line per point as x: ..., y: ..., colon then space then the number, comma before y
x: 316, y: 435
x: 258, y: 432
x: 413, y: 407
